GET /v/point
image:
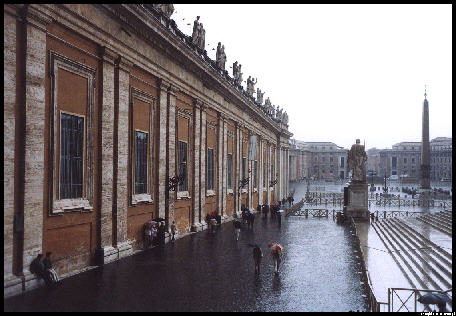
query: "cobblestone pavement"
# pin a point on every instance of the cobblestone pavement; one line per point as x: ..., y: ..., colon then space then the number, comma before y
x: 213, y: 272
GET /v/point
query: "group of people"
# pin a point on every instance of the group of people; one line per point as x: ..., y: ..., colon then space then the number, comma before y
x: 212, y: 220
x: 276, y: 212
x: 247, y: 216
x: 155, y: 232
x: 43, y: 269
x: 276, y: 253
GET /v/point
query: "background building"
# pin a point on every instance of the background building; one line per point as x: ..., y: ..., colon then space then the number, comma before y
x: 403, y: 160
x: 106, y: 107
x: 317, y: 160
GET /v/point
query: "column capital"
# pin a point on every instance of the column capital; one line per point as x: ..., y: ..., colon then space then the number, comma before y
x: 173, y: 90
x: 163, y: 84
x: 124, y: 64
x: 198, y: 104
x: 34, y: 17
x: 108, y: 55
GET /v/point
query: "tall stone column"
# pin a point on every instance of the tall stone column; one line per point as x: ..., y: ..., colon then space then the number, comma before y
x: 171, y: 154
x: 196, y: 167
x: 250, y: 175
x: 236, y: 172
x: 202, y: 211
x: 425, y: 183
x: 224, y: 167
x: 268, y: 174
x: 239, y: 174
x: 35, y: 61
x: 260, y: 171
x: 162, y: 159
x: 278, y: 188
x: 219, y: 163
x: 9, y: 139
x: 107, y: 154
x: 123, y: 245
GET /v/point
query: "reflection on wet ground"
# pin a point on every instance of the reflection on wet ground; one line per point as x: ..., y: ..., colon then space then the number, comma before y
x: 213, y: 272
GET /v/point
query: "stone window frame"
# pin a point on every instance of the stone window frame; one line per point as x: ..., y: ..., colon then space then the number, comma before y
x: 59, y: 206
x: 211, y: 125
x: 144, y: 198
x: 210, y: 192
x: 186, y: 114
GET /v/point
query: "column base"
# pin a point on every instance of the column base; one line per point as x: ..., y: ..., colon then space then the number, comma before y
x: 17, y: 284
x: 196, y: 227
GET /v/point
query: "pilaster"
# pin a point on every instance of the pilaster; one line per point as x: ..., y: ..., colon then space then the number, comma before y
x: 250, y: 173
x: 268, y: 174
x: 171, y: 156
x: 35, y: 61
x: 219, y: 163
x: 107, y: 148
x: 202, y: 203
x: 260, y: 171
x: 124, y: 68
x: 196, y: 167
x: 162, y: 159
x: 224, y: 167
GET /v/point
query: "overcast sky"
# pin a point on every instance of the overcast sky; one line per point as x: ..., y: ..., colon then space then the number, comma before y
x: 341, y: 71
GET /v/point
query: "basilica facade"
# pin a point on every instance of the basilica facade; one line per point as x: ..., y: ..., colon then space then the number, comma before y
x: 114, y: 117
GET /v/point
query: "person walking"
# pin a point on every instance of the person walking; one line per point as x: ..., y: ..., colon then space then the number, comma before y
x: 257, y: 255
x: 251, y: 220
x: 49, y: 270
x: 279, y: 217
x: 161, y: 233
x: 237, y: 229
x: 276, y: 252
x: 173, y: 230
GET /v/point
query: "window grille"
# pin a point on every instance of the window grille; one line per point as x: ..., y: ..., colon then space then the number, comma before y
x: 230, y: 168
x: 210, y: 169
x: 140, y: 162
x: 183, y: 165
x: 71, y: 156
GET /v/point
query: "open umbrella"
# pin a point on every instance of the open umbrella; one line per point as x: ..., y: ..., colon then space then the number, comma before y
x: 276, y: 246
x: 434, y: 298
x: 158, y: 219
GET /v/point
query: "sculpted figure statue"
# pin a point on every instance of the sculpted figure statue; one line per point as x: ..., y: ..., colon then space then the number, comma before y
x: 285, y: 118
x: 356, y: 161
x: 259, y: 96
x: 199, y: 34
x: 237, y: 74
x: 167, y: 9
x: 269, y: 107
x: 251, y: 86
x: 220, y: 57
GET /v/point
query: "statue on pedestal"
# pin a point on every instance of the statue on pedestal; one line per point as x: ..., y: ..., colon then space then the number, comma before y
x: 199, y: 34
x: 285, y: 118
x: 356, y: 161
x: 251, y: 86
x: 237, y: 74
x: 167, y: 9
x: 220, y: 57
x: 260, y: 96
x: 269, y: 107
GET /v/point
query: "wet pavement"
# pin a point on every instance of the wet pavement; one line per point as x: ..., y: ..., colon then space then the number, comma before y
x: 213, y: 272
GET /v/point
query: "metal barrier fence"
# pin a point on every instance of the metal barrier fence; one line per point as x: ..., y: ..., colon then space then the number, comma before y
x: 410, y: 292
x: 410, y: 202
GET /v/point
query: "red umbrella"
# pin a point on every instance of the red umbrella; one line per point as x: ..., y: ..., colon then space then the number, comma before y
x: 276, y: 246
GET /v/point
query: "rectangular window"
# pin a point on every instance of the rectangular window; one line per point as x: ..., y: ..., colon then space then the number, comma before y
x: 394, y: 162
x: 230, y: 168
x: 183, y: 165
x: 244, y: 171
x: 210, y: 169
x: 342, y: 162
x: 405, y: 160
x: 71, y: 156
x: 272, y: 173
x: 140, y: 162
x: 255, y: 174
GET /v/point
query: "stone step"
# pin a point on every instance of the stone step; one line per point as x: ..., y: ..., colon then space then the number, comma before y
x: 425, y: 242
x: 418, y: 248
x: 439, y: 221
x: 435, y: 226
x: 416, y: 259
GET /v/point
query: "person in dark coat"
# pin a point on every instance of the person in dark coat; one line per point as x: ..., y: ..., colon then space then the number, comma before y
x: 237, y: 229
x: 161, y: 233
x: 251, y: 220
x: 279, y: 217
x: 37, y: 268
x: 218, y: 218
x: 49, y: 270
x: 257, y: 255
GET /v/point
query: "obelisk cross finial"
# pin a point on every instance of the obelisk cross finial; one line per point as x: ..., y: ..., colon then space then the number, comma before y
x: 425, y: 95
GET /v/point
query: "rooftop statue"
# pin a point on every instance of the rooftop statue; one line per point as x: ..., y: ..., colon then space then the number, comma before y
x: 269, y: 107
x: 251, y: 86
x: 237, y: 74
x: 259, y: 96
x: 220, y: 56
x: 198, y: 35
x: 285, y: 118
x: 356, y: 161
x: 167, y: 9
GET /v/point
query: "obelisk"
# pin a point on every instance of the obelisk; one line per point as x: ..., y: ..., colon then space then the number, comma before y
x: 425, y: 148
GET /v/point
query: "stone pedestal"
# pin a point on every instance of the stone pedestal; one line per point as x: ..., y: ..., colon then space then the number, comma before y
x: 357, y: 206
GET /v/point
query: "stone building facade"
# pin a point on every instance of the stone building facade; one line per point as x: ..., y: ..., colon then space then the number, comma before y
x: 317, y: 160
x: 403, y: 160
x: 104, y: 107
